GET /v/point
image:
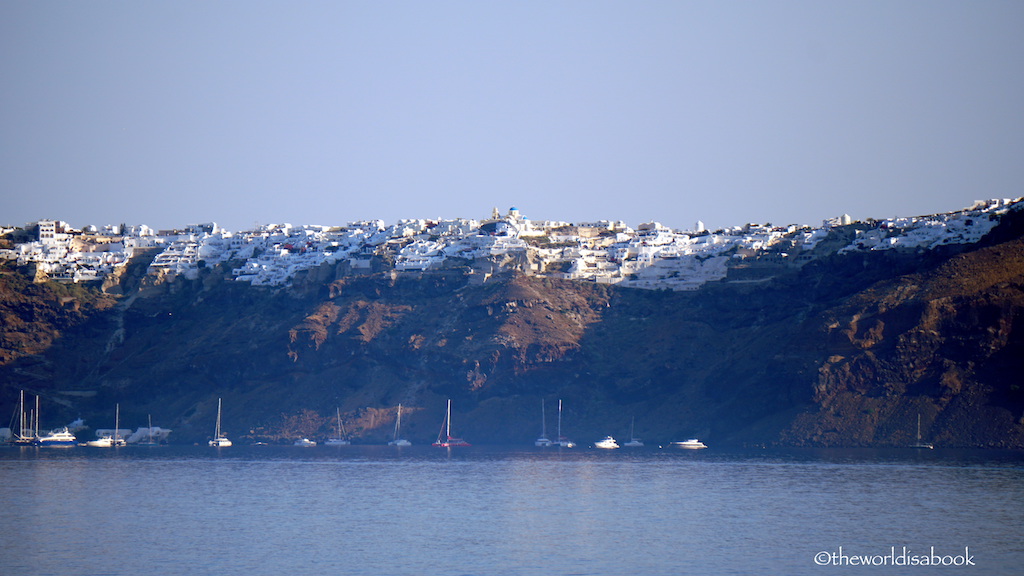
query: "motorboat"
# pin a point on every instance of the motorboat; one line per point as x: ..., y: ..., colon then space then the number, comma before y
x: 305, y: 442
x: 57, y: 438
x: 691, y: 444
x: 607, y: 443
x: 109, y: 439
x: 104, y: 442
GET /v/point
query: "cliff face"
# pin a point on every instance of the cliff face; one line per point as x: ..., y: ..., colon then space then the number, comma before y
x: 847, y: 351
x: 943, y: 343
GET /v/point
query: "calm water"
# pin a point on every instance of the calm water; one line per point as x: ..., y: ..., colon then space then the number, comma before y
x: 499, y: 511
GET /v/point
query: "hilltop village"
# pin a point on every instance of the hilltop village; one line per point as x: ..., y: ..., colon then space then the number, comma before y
x: 652, y: 256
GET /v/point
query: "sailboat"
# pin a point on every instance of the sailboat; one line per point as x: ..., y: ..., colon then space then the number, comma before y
x: 633, y: 441
x: 338, y: 440
x: 922, y: 445
x: 399, y: 441
x: 108, y: 440
x: 444, y: 436
x: 543, y: 441
x: 150, y: 439
x: 562, y: 440
x: 25, y: 434
x: 219, y: 440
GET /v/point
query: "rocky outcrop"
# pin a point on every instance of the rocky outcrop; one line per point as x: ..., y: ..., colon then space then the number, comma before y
x: 945, y: 343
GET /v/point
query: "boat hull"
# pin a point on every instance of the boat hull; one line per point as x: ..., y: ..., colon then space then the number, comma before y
x: 691, y: 444
x: 451, y: 443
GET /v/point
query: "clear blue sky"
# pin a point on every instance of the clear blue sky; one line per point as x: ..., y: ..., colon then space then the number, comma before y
x: 170, y: 113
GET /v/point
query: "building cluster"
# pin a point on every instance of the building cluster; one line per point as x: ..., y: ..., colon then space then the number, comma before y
x: 652, y: 256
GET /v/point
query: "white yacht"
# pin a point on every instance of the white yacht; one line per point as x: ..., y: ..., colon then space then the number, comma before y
x: 608, y: 443
x: 305, y: 442
x: 109, y: 439
x: 691, y: 444
x: 59, y: 438
x: 104, y: 442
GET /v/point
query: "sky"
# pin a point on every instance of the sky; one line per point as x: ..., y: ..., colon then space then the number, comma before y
x: 310, y: 112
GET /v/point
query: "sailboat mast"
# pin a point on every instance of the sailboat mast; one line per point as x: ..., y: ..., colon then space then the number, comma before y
x: 216, y: 432
x: 543, y: 421
x: 117, y: 420
x: 448, y: 418
x: 559, y: 419
x: 21, y: 415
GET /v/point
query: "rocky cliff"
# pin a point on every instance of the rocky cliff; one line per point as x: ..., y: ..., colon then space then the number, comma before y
x: 848, y: 350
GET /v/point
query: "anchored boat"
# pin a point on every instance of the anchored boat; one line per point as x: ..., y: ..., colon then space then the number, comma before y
x: 444, y: 437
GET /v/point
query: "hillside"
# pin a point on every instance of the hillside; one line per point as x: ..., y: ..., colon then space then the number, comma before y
x: 847, y: 350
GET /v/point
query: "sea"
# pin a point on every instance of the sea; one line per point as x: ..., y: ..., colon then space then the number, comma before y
x: 509, y: 511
